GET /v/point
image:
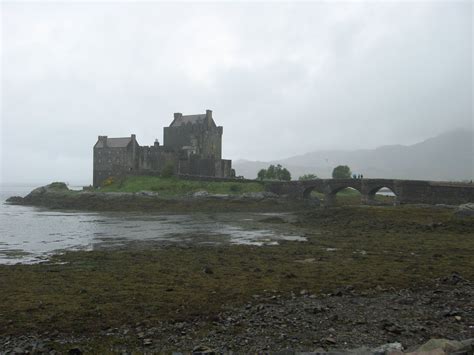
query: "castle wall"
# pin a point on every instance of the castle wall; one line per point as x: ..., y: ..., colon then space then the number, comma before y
x: 207, y: 142
x: 211, y: 143
x: 224, y: 168
x: 178, y: 137
x: 113, y: 162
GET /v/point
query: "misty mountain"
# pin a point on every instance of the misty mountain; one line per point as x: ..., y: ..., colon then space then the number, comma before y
x: 449, y: 156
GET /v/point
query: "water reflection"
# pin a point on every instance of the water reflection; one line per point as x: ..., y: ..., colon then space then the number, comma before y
x: 29, y: 234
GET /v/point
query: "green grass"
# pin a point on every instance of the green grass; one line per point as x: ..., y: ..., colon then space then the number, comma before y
x: 174, y: 186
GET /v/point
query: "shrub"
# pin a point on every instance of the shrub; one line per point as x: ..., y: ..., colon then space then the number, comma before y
x: 274, y: 173
x: 235, y: 188
x: 109, y: 181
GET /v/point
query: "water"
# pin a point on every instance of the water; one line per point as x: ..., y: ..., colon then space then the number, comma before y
x: 30, y: 234
x: 385, y: 192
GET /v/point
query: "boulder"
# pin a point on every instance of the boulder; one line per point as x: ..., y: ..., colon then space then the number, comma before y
x: 446, y: 345
x: 465, y: 210
x: 16, y: 200
x: 53, y: 187
x: 259, y: 195
x: 390, y: 347
x: 201, y: 193
x: 147, y: 193
x: 202, y: 349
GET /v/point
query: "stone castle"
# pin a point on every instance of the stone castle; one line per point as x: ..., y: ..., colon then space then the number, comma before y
x: 192, y: 145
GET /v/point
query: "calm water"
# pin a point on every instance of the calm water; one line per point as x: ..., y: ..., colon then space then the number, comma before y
x: 30, y: 234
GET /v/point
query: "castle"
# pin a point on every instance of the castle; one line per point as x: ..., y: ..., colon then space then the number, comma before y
x: 192, y: 145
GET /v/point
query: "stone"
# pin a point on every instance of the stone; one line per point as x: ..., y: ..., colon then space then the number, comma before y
x: 207, y: 270
x: 330, y: 340
x: 202, y: 349
x: 259, y: 195
x: 430, y: 352
x: 147, y: 193
x: 218, y: 196
x: 319, y: 309
x: 385, y: 348
x: 453, y: 279
x: 445, y: 345
x: 201, y: 193
x: 465, y: 210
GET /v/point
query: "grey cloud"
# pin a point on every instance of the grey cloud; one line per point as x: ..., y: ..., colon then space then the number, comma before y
x: 283, y: 79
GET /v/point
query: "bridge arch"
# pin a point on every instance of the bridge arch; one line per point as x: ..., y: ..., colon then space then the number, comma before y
x: 307, y: 192
x: 351, y: 195
x: 373, y: 196
x: 335, y: 190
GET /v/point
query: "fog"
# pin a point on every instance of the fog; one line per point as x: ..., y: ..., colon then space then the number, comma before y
x: 283, y: 79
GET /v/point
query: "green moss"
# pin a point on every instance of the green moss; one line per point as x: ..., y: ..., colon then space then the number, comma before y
x: 58, y: 185
x: 172, y: 186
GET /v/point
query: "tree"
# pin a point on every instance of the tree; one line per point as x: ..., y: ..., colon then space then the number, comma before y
x: 308, y: 177
x: 262, y: 174
x: 274, y: 173
x: 271, y: 173
x: 341, y: 172
x: 284, y: 174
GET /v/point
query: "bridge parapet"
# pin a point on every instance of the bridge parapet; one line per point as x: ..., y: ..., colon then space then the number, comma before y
x: 406, y: 191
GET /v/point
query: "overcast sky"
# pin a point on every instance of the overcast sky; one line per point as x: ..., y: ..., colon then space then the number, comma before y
x: 283, y: 79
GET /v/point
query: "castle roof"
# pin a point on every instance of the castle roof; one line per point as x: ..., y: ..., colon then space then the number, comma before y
x: 121, y: 142
x: 185, y: 119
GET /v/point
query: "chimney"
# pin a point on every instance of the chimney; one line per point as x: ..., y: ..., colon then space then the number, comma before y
x: 134, y: 137
x: 177, y: 115
x: 103, y: 139
x: 209, y: 113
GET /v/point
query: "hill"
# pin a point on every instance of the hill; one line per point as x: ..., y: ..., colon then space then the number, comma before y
x: 449, y: 156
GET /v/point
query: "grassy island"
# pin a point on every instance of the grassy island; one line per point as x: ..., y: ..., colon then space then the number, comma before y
x: 173, y: 186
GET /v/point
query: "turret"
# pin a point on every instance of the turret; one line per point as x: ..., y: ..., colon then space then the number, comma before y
x: 209, y: 119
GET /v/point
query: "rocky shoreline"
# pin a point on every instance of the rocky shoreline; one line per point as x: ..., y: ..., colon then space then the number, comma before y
x: 343, y: 322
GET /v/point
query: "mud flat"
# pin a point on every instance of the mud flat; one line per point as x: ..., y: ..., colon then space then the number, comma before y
x: 365, y: 276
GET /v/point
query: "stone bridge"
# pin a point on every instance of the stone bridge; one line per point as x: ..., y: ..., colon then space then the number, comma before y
x: 406, y: 191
